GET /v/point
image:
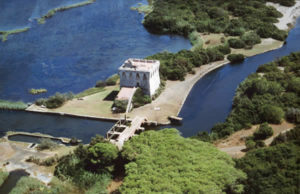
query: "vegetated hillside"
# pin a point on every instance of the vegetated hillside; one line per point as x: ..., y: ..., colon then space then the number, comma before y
x: 269, y: 95
x: 274, y: 169
x: 164, y: 162
x: 233, y: 17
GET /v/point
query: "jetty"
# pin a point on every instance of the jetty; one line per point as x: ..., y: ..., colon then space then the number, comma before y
x: 123, y: 130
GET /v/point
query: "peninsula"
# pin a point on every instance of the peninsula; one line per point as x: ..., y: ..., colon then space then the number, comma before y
x: 171, y: 100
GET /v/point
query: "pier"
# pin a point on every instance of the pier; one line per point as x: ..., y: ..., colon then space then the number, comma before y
x: 123, y: 130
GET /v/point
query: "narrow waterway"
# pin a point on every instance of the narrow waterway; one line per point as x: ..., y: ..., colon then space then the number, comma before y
x: 12, y: 180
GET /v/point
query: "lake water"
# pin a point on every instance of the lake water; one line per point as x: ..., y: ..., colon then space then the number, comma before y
x: 74, y: 48
x: 75, y: 63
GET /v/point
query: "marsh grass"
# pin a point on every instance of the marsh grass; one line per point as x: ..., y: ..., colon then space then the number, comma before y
x: 52, y: 12
x: 10, y: 105
x: 37, y: 91
x: 196, y: 40
x: 4, y: 34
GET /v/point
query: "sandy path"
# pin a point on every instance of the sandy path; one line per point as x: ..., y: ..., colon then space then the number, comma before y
x: 289, y: 14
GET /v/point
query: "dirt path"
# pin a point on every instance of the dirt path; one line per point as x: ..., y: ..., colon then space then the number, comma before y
x: 235, y: 143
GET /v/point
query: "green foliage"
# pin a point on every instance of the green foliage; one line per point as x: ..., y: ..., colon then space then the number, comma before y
x: 10, y: 105
x: 293, y: 115
x: 3, y: 176
x: 236, y: 43
x: 37, y: 91
x: 103, y: 155
x: 32, y: 185
x: 163, y: 161
x: 184, y: 18
x: 112, y: 80
x: 77, y: 168
x: 273, y: 169
x: 119, y: 106
x: 290, y: 136
x: 264, y: 131
x: 29, y: 185
x: 5, y: 34
x: 52, y: 12
x: 46, y: 143
x: 265, y: 98
x: 272, y: 114
x: 250, y: 38
x: 140, y: 99
x: 56, y: 100
x: 236, y: 58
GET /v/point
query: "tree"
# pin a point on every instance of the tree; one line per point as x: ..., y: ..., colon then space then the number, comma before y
x: 271, y: 114
x: 236, y: 58
x: 103, y: 154
x: 264, y: 131
x: 163, y: 161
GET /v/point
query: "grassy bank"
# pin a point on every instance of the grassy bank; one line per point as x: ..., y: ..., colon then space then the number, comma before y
x: 3, y: 176
x: 10, y: 105
x: 4, y: 34
x: 51, y: 12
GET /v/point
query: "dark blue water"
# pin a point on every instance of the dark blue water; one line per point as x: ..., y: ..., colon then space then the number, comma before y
x: 73, y: 49
x: 32, y: 139
x: 211, y: 98
x: 58, y: 126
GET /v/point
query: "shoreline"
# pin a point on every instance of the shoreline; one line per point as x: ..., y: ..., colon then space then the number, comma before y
x: 169, y: 103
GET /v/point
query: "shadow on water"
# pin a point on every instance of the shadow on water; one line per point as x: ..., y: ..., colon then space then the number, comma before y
x: 11, y: 181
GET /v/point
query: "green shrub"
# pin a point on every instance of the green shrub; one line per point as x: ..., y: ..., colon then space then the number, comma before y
x: 3, y: 176
x: 112, y: 80
x: 236, y: 58
x: 46, y: 143
x: 10, y: 105
x: 264, y: 131
x: 293, y: 115
x: 100, y: 84
x: 250, y: 144
x: 271, y: 114
x: 170, y: 163
x: 140, y: 99
x: 236, y: 43
x: 119, y: 106
x: 56, y: 100
x: 250, y: 38
x: 37, y: 91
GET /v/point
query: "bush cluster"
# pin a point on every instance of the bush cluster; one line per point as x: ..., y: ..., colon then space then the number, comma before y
x: 55, y: 101
x: 111, y: 81
x: 236, y: 58
x: 140, y: 99
x: 186, y: 17
x: 175, y: 66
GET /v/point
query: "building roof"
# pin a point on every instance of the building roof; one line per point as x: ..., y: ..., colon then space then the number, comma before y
x: 139, y: 64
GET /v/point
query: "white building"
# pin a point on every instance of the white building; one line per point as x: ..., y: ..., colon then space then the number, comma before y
x: 140, y: 73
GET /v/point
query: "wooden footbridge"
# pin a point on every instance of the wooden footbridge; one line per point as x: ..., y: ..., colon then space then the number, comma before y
x: 123, y: 130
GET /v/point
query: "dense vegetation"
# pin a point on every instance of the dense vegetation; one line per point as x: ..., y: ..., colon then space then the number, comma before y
x: 236, y: 58
x: 3, y: 176
x: 165, y: 162
x: 30, y: 185
x: 175, y: 66
x: 269, y: 95
x: 90, y: 167
x: 55, y: 101
x: 140, y: 99
x: 10, y: 105
x: 274, y: 169
x: 233, y: 17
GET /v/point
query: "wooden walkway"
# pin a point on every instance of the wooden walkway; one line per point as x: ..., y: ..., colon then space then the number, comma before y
x: 124, y: 130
